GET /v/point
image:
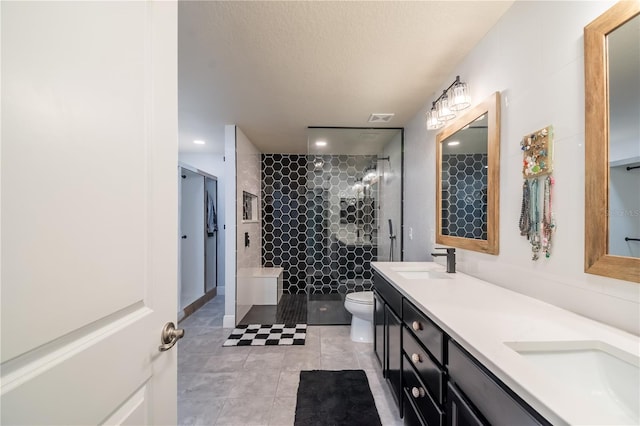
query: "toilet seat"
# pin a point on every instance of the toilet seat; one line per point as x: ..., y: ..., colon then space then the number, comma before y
x: 361, y: 297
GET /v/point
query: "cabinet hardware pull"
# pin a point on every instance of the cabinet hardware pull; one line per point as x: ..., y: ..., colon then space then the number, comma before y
x: 416, y: 326
x: 417, y: 392
x: 415, y: 358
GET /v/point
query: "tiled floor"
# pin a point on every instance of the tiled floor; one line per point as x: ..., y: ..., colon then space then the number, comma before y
x: 258, y: 385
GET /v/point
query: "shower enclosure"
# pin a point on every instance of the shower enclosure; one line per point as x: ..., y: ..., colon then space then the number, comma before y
x: 354, y: 188
x: 325, y: 217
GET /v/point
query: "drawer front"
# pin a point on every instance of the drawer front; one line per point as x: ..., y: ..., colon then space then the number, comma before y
x: 459, y: 411
x: 415, y: 390
x: 493, y: 401
x: 391, y: 296
x: 430, y: 373
x: 410, y: 411
x: 425, y: 330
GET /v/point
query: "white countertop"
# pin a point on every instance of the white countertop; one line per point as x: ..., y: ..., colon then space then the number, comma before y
x: 481, y: 317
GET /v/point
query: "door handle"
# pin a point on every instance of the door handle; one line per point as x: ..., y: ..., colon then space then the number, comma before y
x: 184, y: 237
x: 170, y: 335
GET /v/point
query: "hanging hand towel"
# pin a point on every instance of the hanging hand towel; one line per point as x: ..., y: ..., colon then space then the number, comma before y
x: 212, y: 220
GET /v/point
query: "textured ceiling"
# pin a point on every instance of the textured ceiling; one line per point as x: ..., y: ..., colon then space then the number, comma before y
x: 275, y: 68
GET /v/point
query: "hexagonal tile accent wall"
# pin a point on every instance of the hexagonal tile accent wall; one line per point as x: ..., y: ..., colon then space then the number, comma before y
x: 317, y: 224
x: 464, y: 195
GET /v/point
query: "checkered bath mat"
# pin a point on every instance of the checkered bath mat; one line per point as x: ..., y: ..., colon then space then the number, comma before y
x: 267, y: 335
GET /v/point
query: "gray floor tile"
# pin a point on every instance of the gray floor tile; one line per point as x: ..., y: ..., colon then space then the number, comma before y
x: 288, y: 384
x: 296, y: 361
x: 367, y: 360
x: 213, y: 385
x: 199, y: 412
x: 283, y: 412
x: 245, y: 411
x: 258, y: 385
x: 252, y: 383
x: 340, y: 361
x: 258, y: 360
x: 233, y: 361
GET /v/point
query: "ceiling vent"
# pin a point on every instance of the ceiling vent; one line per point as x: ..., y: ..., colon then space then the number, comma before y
x: 380, y: 118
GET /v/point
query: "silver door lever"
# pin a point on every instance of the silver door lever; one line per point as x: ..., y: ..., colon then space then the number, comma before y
x: 170, y: 335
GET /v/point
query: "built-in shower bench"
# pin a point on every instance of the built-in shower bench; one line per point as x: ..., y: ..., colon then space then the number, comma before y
x: 260, y: 286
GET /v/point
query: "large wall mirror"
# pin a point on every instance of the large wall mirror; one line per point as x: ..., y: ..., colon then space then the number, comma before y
x: 468, y: 179
x: 612, y: 143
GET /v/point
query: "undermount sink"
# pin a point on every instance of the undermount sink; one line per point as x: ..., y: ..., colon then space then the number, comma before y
x: 424, y: 275
x: 593, y: 369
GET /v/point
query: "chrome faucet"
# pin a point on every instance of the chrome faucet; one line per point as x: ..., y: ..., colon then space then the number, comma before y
x: 451, y: 258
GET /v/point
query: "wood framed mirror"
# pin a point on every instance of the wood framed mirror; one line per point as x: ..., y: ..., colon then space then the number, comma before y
x: 468, y: 179
x: 612, y: 93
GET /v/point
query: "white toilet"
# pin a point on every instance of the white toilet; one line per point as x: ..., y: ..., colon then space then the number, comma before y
x: 360, y: 305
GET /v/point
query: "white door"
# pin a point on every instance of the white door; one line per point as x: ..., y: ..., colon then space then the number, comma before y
x: 89, y: 201
x: 191, y: 237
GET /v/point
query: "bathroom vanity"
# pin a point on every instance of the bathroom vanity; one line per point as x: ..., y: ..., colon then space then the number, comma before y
x: 460, y: 351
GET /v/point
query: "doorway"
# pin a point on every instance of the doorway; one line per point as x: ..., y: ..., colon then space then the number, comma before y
x: 198, y: 240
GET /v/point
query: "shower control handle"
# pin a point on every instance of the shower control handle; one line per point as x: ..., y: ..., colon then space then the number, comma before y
x: 418, y: 392
x: 415, y: 358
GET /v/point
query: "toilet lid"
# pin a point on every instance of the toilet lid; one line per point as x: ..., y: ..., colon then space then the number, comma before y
x: 363, y: 297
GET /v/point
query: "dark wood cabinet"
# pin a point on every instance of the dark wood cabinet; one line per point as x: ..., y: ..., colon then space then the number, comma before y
x: 434, y: 380
x: 459, y: 411
x: 394, y: 348
x: 387, y: 323
x: 487, y: 394
x: 379, y: 331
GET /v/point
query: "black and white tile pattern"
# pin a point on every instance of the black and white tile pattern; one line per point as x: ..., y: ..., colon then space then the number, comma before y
x: 464, y: 195
x: 316, y: 225
x: 267, y: 335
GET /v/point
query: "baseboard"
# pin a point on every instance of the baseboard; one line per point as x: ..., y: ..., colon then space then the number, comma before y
x: 229, y: 321
x: 188, y: 310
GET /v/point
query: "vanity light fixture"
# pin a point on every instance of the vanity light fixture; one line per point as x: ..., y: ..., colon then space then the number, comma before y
x: 454, y: 98
x: 453, y: 143
x: 199, y: 142
x: 321, y: 143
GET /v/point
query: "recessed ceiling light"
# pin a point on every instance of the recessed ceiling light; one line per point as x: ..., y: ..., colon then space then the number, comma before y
x: 453, y: 143
x: 199, y: 142
x: 321, y: 143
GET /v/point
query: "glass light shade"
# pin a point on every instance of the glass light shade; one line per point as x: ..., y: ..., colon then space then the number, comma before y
x: 459, y: 98
x: 444, y: 112
x: 432, y: 120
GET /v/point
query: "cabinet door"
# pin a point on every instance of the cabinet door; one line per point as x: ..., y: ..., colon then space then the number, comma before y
x: 459, y: 411
x: 379, y: 331
x: 394, y: 353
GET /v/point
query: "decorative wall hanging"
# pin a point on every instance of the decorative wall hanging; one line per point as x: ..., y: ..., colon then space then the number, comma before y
x: 537, y: 153
x: 537, y: 161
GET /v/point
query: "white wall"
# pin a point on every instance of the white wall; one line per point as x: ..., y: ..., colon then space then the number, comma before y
x: 390, y: 198
x: 229, y: 319
x: 213, y: 165
x: 248, y: 179
x: 191, y: 266
x: 534, y: 56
